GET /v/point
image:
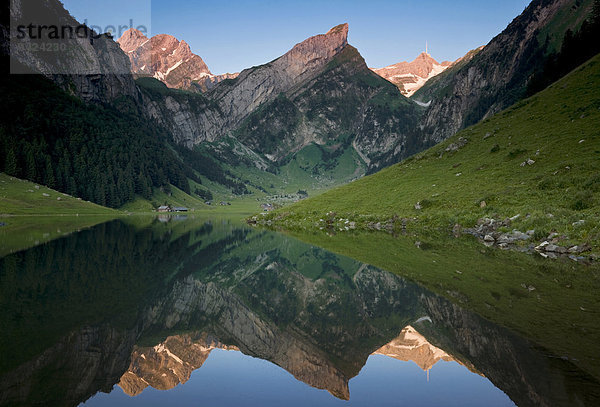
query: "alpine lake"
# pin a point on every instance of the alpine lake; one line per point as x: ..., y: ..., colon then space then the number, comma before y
x: 188, y: 310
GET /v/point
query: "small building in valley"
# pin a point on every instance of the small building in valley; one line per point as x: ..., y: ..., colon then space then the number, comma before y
x: 267, y: 207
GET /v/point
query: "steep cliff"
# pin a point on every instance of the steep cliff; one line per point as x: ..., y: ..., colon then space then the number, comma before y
x: 345, y: 103
x: 497, y: 76
x: 91, y: 66
x: 320, y: 92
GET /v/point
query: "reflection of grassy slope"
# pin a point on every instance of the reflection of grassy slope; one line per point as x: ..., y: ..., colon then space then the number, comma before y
x: 23, y: 232
x: 49, y: 218
x: 303, y: 258
x: 560, y: 313
x: 560, y: 122
x: 20, y: 197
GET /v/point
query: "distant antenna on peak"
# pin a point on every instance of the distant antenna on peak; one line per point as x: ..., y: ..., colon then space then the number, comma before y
x: 426, y: 47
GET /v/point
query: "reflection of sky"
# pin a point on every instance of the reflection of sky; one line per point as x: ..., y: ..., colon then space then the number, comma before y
x: 229, y: 378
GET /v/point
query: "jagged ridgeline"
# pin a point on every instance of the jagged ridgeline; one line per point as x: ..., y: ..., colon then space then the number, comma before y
x: 314, y: 118
x: 146, y: 118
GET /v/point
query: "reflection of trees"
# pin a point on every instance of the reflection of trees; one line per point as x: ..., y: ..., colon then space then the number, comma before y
x: 76, y: 306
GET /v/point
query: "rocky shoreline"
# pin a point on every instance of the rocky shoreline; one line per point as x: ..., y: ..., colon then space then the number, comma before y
x: 491, y: 232
x: 488, y: 231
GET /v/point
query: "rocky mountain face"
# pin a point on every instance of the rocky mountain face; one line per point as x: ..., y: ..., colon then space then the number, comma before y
x: 410, y: 345
x: 320, y: 92
x: 258, y: 85
x: 319, y: 95
x: 411, y: 76
x: 169, y: 60
x: 327, y: 97
x: 234, y: 100
x: 83, y: 362
x: 496, y: 76
x: 344, y: 99
x: 167, y: 364
x: 94, y: 69
x: 315, y: 314
x: 526, y: 373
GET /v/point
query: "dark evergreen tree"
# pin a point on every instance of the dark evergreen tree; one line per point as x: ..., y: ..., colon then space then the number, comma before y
x: 11, y: 162
x: 577, y: 47
x: 98, y: 153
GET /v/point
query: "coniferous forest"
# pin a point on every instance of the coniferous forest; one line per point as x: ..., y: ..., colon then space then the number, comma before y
x: 90, y: 151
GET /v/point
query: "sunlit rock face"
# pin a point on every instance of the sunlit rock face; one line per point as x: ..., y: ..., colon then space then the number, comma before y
x: 411, y: 76
x: 169, y: 60
x: 167, y: 364
x: 257, y: 85
x: 252, y: 334
x: 410, y: 345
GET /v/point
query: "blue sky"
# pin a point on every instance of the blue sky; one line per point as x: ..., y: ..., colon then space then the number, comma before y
x: 238, y: 34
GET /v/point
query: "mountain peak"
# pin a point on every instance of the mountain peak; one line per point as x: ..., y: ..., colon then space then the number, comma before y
x: 410, y: 76
x: 316, y: 50
x: 341, y: 28
x: 163, y: 57
x: 131, y: 40
x: 132, y: 33
x: 426, y: 56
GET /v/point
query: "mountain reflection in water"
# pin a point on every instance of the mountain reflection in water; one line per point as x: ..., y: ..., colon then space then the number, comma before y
x: 143, y: 306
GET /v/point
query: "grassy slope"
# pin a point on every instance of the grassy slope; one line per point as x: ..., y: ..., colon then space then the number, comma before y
x: 40, y: 219
x: 177, y: 198
x: 561, y: 122
x: 241, y: 206
x: 20, y: 197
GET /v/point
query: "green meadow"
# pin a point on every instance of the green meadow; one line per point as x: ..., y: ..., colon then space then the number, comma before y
x: 539, y: 159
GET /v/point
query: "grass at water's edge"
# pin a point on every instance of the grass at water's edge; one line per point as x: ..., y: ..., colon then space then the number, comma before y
x: 21, y: 197
x: 539, y: 159
x: 556, y: 304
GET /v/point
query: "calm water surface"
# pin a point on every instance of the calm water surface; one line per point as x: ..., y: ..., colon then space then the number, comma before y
x: 177, y: 311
